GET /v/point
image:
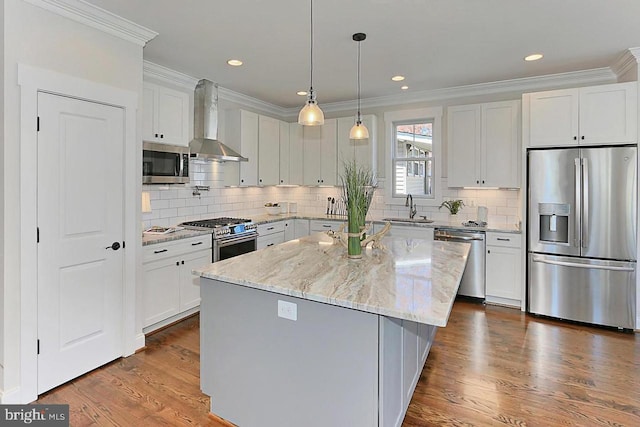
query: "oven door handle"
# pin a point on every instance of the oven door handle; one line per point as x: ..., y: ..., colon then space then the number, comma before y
x: 228, y: 242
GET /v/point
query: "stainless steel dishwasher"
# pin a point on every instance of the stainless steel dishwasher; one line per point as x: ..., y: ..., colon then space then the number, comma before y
x: 473, y: 278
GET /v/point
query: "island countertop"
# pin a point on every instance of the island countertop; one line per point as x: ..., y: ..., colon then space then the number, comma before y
x: 410, y: 279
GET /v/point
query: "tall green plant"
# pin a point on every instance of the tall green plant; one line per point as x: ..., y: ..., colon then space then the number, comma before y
x: 358, y: 186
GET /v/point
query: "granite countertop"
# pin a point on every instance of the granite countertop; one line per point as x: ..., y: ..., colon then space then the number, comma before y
x: 410, y: 279
x: 151, y: 239
x: 500, y: 228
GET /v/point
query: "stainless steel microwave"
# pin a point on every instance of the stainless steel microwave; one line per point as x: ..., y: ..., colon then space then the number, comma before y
x: 164, y: 164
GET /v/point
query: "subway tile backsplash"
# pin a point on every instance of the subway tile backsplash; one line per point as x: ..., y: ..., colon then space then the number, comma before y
x: 171, y: 205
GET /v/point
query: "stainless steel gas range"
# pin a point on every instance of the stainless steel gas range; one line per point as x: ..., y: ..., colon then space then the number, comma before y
x: 231, y: 236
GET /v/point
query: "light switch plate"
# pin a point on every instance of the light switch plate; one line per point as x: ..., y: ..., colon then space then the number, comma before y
x: 287, y: 310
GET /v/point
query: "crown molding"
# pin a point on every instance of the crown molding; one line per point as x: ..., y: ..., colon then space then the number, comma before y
x: 526, y: 84
x: 167, y: 75
x: 253, y: 103
x: 626, y: 61
x: 93, y: 16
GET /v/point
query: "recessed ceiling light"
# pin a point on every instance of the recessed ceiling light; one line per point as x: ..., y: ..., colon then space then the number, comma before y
x: 533, y: 57
x: 405, y: 87
x: 234, y: 62
x: 397, y: 78
x: 302, y: 92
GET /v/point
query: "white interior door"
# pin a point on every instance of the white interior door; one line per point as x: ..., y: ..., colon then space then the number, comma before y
x: 80, y: 215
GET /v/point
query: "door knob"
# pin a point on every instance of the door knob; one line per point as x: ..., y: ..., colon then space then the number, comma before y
x: 115, y: 246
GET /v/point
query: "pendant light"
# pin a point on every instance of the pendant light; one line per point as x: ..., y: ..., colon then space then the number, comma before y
x: 359, y: 131
x: 311, y: 114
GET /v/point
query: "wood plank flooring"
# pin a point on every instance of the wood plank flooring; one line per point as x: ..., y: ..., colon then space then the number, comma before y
x: 490, y: 366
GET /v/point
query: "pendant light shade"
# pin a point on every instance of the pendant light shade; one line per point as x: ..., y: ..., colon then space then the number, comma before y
x: 359, y: 130
x: 311, y: 114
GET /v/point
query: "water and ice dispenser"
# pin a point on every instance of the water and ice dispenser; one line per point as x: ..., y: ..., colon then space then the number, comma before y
x: 554, y: 222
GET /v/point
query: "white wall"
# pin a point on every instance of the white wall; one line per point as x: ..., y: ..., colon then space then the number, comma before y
x: 2, y: 239
x: 39, y: 38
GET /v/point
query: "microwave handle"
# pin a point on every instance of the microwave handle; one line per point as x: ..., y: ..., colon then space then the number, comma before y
x: 179, y: 165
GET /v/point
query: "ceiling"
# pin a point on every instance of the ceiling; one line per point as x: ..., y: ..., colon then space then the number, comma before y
x: 436, y: 44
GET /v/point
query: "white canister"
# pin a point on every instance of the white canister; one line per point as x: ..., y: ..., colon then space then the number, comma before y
x: 284, y: 207
x: 293, y: 207
x: 482, y: 213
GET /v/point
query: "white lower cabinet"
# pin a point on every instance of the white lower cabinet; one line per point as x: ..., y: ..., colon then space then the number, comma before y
x: 169, y: 289
x: 289, y: 229
x: 504, y: 269
x: 270, y: 234
x: 302, y: 228
x: 317, y: 225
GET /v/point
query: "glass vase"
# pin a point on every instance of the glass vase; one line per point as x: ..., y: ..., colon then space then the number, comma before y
x: 353, y: 241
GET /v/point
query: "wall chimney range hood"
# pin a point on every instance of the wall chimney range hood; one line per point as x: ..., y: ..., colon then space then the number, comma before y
x: 205, y: 144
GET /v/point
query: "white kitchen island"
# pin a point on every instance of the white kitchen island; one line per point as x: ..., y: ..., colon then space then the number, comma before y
x: 299, y: 335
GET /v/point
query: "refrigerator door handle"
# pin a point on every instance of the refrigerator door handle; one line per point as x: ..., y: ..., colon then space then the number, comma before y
x: 577, y: 207
x: 578, y: 265
x: 585, y: 203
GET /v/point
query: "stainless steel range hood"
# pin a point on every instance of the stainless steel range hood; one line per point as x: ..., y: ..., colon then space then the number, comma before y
x: 205, y: 144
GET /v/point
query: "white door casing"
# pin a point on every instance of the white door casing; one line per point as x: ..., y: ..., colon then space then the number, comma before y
x: 80, y: 200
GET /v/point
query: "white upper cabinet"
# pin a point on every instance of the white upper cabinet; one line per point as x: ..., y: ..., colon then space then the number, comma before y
x: 285, y: 156
x: 320, y: 154
x: 605, y: 114
x: 268, y: 151
x: 484, y: 145
x: 362, y: 151
x: 296, y: 156
x: 242, y: 135
x: 165, y: 116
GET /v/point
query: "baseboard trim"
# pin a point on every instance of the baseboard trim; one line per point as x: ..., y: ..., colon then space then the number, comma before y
x: 11, y: 397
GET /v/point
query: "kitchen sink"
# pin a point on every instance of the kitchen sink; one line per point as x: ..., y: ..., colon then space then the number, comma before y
x: 409, y: 220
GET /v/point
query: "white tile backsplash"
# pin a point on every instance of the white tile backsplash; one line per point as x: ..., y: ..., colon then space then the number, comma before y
x: 171, y: 205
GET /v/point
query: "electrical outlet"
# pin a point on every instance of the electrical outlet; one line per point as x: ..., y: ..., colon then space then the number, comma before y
x: 287, y: 310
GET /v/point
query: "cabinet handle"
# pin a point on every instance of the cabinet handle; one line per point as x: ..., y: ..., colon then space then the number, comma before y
x: 260, y: 180
x: 156, y: 135
x: 177, y: 262
x: 582, y: 137
x: 196, y: 244
x: 502, y: 239
x: 478, y: 182
x: 161, y: 135
x: 182, y: 262
x: 270, y: 244
x: 488, y: 251
x: 242, y: 180
x: 160, y: 251
x: 483, y: 181
x: 575, y: 138
x: 281, y: 181
x: 322, y: 180
x: 326, y: 226
x: 318, y: 181
x: 270, y: 228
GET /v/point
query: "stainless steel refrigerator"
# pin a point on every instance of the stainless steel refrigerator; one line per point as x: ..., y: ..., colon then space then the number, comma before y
x: 582, y: 206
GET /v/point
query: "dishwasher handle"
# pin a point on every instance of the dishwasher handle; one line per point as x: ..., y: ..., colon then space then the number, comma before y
x: 456, y: 237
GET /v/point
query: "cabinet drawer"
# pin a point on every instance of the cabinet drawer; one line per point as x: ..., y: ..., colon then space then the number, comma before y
x: 270, y: 240
x: 318, y: 225
x: 509, y: 240
x: 270, y: 228
x: 175, y: 247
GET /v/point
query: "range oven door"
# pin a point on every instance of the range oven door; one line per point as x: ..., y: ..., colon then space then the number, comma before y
x: 233, y: 246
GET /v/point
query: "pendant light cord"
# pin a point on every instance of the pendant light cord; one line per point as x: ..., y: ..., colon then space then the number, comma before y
x: 311, y: 50
x: 358, y: 119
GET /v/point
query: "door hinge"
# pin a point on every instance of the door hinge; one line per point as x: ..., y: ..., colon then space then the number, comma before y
x: 37, y: 234
x: 38, y: 124
x: 38, y: 347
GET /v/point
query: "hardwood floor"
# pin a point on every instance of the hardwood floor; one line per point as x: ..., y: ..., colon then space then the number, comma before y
x: 489, y: 366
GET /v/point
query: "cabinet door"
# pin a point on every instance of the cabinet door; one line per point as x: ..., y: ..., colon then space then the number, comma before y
x: 608, y: 114
x: 500, y: 147
x: 249, y: 148
x: 289, y: 230
x: 285, y: 157
x: 463, y: 136
x: 329, y: 160
x: 189, y: 282
x: 296, y: 154
x: 268, y: 151
x: 503, y: 270
x: 302, y: 228
x: 312, y: 136
x: 173, y: 116
x: 553, y: 118
x: 160, y: 291
x: 149, y: 114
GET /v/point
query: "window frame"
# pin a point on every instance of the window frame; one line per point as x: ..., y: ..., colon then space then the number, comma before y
x: 394, y: 118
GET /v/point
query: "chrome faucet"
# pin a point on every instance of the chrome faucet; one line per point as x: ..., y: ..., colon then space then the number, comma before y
x: 409, y: 203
